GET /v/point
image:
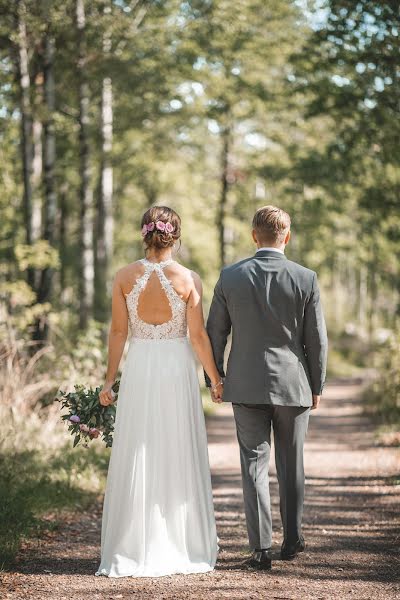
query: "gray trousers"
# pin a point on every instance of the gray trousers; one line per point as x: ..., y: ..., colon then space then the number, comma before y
x: 253, y: 427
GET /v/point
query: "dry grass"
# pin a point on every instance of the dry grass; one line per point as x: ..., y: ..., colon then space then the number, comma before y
x: 39, y: 470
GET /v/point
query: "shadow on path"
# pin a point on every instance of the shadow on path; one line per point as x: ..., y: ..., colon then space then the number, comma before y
x: 351, y: 525
x: 351, y: 513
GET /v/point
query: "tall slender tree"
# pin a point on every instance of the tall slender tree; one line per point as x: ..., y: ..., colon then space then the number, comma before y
x: 223, y: 197
x: 37, y: 162
x: 86, y: 275
x: 237, y: 53
x: 24, y: 84
x: 49, y: 160
x: 104, y: 217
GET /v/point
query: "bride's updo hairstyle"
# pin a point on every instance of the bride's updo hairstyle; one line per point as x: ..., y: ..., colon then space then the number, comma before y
x: 161, y: 227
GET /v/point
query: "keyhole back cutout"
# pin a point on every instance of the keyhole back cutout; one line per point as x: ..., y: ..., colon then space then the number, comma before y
x: 153, y: 306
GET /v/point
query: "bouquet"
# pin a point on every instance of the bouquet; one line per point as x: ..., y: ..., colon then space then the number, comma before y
x: 87, y: 418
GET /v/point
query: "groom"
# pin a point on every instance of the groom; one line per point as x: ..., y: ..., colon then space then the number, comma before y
x: 275, y: 375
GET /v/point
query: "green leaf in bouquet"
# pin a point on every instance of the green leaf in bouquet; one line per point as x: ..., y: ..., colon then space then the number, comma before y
x: 76, y: 440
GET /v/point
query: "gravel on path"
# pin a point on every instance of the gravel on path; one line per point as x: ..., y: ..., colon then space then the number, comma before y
x: 351, y: 526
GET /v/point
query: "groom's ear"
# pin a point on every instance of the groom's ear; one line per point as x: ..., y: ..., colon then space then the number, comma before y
x: 254, y: 236
x: 287, y: 237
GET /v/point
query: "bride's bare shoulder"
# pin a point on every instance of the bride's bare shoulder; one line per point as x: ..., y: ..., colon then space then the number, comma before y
x: 127, y: 270
x: 126, y: 276
x: 187, y: 274
x: 183, y: 279
x: 189, y: 280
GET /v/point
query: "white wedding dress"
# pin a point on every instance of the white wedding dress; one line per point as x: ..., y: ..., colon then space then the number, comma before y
x: 158, y: 515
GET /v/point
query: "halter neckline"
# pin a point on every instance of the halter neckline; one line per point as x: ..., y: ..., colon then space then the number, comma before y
x: 160, y: 264
x: 176, y: 326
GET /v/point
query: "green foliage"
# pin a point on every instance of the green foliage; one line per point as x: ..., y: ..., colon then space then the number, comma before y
x: 311, y: 104
x: 81, y: 355
x: 17, y: 294
x: 383, y: 395
x: 347, y: 76
x: 38, y: 255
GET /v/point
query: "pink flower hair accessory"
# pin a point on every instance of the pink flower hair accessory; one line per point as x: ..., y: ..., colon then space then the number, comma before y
x: 159, y: 225
x: 147, y: 228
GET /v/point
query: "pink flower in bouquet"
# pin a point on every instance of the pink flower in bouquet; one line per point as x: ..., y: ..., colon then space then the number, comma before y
x: 84, y: 428
x: 169, y: 227
x: 94, y: 433
x: 74, y: 419
x: 160, y: 226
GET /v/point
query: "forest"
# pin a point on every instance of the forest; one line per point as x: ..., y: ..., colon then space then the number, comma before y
x: 214, y: 108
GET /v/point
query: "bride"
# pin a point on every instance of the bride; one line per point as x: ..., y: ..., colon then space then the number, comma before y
x: 158, y: 515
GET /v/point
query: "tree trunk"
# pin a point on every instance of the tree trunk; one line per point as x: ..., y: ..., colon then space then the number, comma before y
x: 63, y: 215
x: 223, y: 195
x: 37, y: 162
x: 151, y: 194
x: 26, y: 123
x: 104, y: 221
x: 362, y: 299
x: 86, y: 274
x: 49, y: 160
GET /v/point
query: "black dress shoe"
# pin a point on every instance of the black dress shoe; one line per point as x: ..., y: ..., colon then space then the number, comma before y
x: 260, y: 560
x: 290, y: 551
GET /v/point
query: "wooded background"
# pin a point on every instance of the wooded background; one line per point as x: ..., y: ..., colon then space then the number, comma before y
x: 213, y: 108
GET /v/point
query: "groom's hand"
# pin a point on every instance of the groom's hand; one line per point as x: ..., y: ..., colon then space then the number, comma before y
x: 315, y: 401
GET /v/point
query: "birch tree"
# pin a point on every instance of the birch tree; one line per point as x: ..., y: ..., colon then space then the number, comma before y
x: 24, y: 85
x: 104, y: 216
x: 86, y: 272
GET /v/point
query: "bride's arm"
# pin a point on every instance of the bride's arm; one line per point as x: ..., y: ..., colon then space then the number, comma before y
x: 116, y: 340
x: 198, y: 334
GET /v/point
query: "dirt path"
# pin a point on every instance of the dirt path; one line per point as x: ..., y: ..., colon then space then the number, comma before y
x: 351, y: 525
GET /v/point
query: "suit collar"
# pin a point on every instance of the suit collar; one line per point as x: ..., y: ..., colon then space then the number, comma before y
x: 269, y: 254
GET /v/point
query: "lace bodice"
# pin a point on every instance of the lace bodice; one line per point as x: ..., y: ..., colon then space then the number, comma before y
x: 175, y: 327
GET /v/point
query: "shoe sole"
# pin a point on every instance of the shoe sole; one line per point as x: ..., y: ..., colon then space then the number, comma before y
x: 259, y: 567
x: 292, y: 556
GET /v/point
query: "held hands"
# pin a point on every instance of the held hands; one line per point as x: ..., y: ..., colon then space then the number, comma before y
x: 106, y: 396
x: 217, y: 391
x: 315, y: 401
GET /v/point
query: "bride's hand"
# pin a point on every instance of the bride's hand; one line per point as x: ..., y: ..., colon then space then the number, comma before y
x: 217, y: 391
x: 106, y: 394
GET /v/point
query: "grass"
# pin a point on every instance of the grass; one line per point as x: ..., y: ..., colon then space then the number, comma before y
x: 33, y: 483
x: 41, y: 475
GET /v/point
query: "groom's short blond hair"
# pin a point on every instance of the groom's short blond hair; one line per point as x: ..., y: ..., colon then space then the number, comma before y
x: 271, y: 224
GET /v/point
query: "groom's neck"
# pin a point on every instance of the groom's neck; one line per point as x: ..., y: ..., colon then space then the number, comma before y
x: 275, y: 246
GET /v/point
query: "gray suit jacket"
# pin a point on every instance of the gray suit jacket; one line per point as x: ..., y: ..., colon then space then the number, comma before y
x: 279, y: 341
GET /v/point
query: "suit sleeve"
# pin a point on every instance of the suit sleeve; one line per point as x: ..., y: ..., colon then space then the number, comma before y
x: 218, y: 328
x: 315, y: 339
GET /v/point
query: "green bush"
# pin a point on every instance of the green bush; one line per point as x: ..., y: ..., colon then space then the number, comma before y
x: 382, y: 396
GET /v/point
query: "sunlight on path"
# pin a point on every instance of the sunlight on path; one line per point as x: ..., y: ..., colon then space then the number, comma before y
x: 351, y: 525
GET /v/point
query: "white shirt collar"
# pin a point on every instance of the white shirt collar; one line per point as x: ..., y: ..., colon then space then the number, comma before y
x: 270, y: 248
